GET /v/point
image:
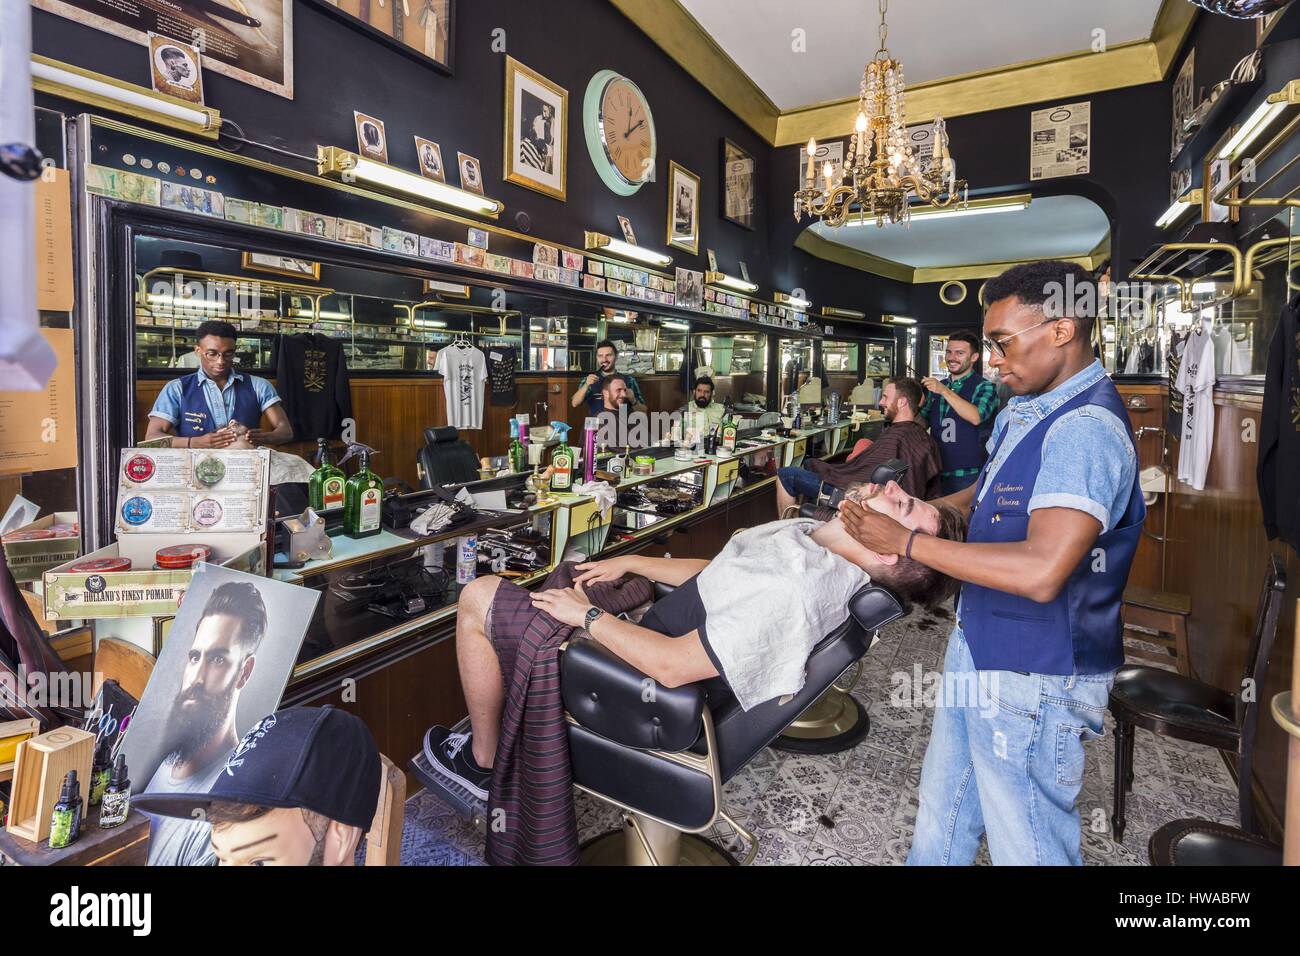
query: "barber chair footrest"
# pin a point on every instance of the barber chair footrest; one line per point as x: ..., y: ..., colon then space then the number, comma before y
x: 623, y: 848
x: 447, y: 790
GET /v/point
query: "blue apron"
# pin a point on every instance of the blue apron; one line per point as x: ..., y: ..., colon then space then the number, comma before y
x: 196, y: 416
x: 1080, y: 631
x: 967, y: 450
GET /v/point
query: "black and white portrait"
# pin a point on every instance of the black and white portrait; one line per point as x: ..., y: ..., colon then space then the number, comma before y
x: 371, y: 141
x: 174, y: 68
x: 536, y: 118
x: 430, y: 156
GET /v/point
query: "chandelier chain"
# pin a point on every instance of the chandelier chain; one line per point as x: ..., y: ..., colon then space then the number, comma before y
x: 884, y: 28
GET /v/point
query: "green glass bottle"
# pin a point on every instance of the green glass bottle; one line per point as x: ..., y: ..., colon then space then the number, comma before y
x: 518, y: 454
x: 728, y: 429
x: 363, y: 501
x: 562, y: 462
x: 325, y: 487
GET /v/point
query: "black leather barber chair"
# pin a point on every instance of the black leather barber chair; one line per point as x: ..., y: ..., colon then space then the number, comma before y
x: 663, y: 754
x: 445, y: 459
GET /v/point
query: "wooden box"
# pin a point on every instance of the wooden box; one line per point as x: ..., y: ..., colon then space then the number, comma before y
x: 39, y: 769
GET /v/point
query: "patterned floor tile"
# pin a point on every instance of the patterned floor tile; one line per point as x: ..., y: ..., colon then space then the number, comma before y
x: 859, y: 807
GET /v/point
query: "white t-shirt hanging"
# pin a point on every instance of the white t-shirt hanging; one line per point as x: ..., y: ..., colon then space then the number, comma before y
x: 464, y: 372
x: 1196, y: 380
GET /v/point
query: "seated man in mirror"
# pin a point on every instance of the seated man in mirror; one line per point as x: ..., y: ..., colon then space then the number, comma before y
x: 702, y: 413
x: 218, y: 406
x: 752, y: 615
x: 905, y: 437
x: 301, y: 789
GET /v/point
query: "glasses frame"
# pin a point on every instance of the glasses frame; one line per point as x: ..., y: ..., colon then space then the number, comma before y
x: 998, y: 346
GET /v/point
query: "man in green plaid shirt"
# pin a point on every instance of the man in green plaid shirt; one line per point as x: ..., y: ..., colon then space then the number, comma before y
x: 960, y: 410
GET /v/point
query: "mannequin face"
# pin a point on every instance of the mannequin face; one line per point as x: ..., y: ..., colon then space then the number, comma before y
x: 283, y: 838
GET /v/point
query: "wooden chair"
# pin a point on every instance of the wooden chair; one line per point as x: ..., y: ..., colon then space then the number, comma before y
x: 384, y: 841
x: 1164, y: 612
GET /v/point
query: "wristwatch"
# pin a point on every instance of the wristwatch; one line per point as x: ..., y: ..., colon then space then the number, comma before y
x: 593, y: 615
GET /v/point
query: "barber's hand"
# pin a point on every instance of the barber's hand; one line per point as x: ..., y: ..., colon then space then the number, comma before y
x: 932, y: 384
x: 566, y: 605
x: 596, y: 572
x: 217, y: 439
x: 591, y: 380
x: 873, y: 530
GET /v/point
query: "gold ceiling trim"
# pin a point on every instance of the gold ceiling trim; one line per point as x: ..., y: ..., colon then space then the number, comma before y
x: 682, y: 37
x: 831, y: 251
x: 823, y: 248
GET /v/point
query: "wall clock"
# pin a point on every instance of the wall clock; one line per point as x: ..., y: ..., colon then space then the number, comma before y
x: 620, y: 132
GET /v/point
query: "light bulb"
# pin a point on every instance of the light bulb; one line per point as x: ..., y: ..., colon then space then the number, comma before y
x: 861, y: 124
x: 812, y: 146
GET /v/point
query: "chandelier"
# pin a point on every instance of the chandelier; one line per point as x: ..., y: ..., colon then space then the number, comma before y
x: 881, y: 172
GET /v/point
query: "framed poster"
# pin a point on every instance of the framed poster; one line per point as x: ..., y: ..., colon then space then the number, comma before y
x: 832, y: 153
x: 1184, y: 102
x: 251, y: 41
x: 536, y: 135
x: 683, y: 209
x: 422, y: 29
x: 737, y: 185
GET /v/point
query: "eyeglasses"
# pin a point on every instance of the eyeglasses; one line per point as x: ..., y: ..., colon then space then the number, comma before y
x: 999, y: 346
x: 212, y: 355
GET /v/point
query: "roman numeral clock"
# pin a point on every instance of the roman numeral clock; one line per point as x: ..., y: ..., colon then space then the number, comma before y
x: 620, y: 132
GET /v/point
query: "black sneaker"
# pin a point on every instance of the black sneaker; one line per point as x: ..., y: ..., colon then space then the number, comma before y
x: 451, y: 755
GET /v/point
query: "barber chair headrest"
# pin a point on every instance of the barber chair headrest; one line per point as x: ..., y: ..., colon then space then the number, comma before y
x: 892, y: 470
x: 436, y: 436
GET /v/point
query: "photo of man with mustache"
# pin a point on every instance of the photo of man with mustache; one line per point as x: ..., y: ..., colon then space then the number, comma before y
x: 201, y: 732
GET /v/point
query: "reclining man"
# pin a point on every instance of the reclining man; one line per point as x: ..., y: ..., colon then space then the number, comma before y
x: 904, y: 438
x: 752, y: 615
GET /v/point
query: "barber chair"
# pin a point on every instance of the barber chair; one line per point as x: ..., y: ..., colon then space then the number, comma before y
x: 663, y: 754
x: 445, y: 459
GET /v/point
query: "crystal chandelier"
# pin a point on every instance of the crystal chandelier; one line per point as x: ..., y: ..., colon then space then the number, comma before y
x: 881, y: 173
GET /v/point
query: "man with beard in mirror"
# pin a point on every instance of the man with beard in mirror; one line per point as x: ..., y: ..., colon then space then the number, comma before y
x: 201, y: 731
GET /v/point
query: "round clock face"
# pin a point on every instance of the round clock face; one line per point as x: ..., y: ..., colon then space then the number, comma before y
x: 620, y: 132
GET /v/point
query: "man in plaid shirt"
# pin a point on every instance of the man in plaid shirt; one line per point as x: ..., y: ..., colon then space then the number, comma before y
x: 960, y: 410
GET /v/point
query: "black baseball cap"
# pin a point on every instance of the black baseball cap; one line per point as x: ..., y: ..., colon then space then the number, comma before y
x: 320, y: 758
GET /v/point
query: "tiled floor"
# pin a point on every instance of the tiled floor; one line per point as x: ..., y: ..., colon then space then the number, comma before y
x: 859, y: 807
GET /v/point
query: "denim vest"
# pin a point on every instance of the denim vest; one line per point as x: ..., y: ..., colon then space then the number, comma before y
x: 967, y: 449
x: 1080, y: 631
x: 196, y: 415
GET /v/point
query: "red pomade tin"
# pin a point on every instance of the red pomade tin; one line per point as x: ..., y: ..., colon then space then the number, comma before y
x: 181, y: 557
x: 101, y: 565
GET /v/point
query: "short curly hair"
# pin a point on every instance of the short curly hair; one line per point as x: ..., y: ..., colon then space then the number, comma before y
x: 1057, y: 288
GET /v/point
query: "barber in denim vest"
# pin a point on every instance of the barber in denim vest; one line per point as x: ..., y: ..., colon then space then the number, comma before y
x: 960, y: 411
x: 218, y: 405
x: 1054, y: 522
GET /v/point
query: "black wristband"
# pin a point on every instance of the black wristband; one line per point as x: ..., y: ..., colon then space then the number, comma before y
x: 910, y: 538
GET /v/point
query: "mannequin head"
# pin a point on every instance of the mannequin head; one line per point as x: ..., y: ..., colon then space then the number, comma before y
x: 249, y: 835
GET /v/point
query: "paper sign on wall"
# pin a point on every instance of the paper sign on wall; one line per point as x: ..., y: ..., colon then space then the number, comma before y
x: 53, y: 241
x: 38, y: 430
x: 1060, y: 141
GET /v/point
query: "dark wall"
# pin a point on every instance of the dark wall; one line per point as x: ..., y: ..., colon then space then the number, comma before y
x: 338, y: 70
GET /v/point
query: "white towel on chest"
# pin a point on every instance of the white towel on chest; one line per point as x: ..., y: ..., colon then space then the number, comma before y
x: 769, y: 597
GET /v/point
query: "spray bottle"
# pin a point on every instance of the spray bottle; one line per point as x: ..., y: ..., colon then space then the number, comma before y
x: 589, y: 427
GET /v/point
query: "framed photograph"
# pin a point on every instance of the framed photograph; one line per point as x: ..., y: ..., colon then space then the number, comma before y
x: 737, y: 185
x: 683, y: 209
x: 372, y: 143
x: 690, y: 288
x: 536, y: 134
x: 430, y: 156
x: 250, y: 41
x: 424, y: 30
x: 1214, y: 174
x: 281, y: 265
x: 629, y: 234
x: 175, y: 68
x: 471, y: 176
